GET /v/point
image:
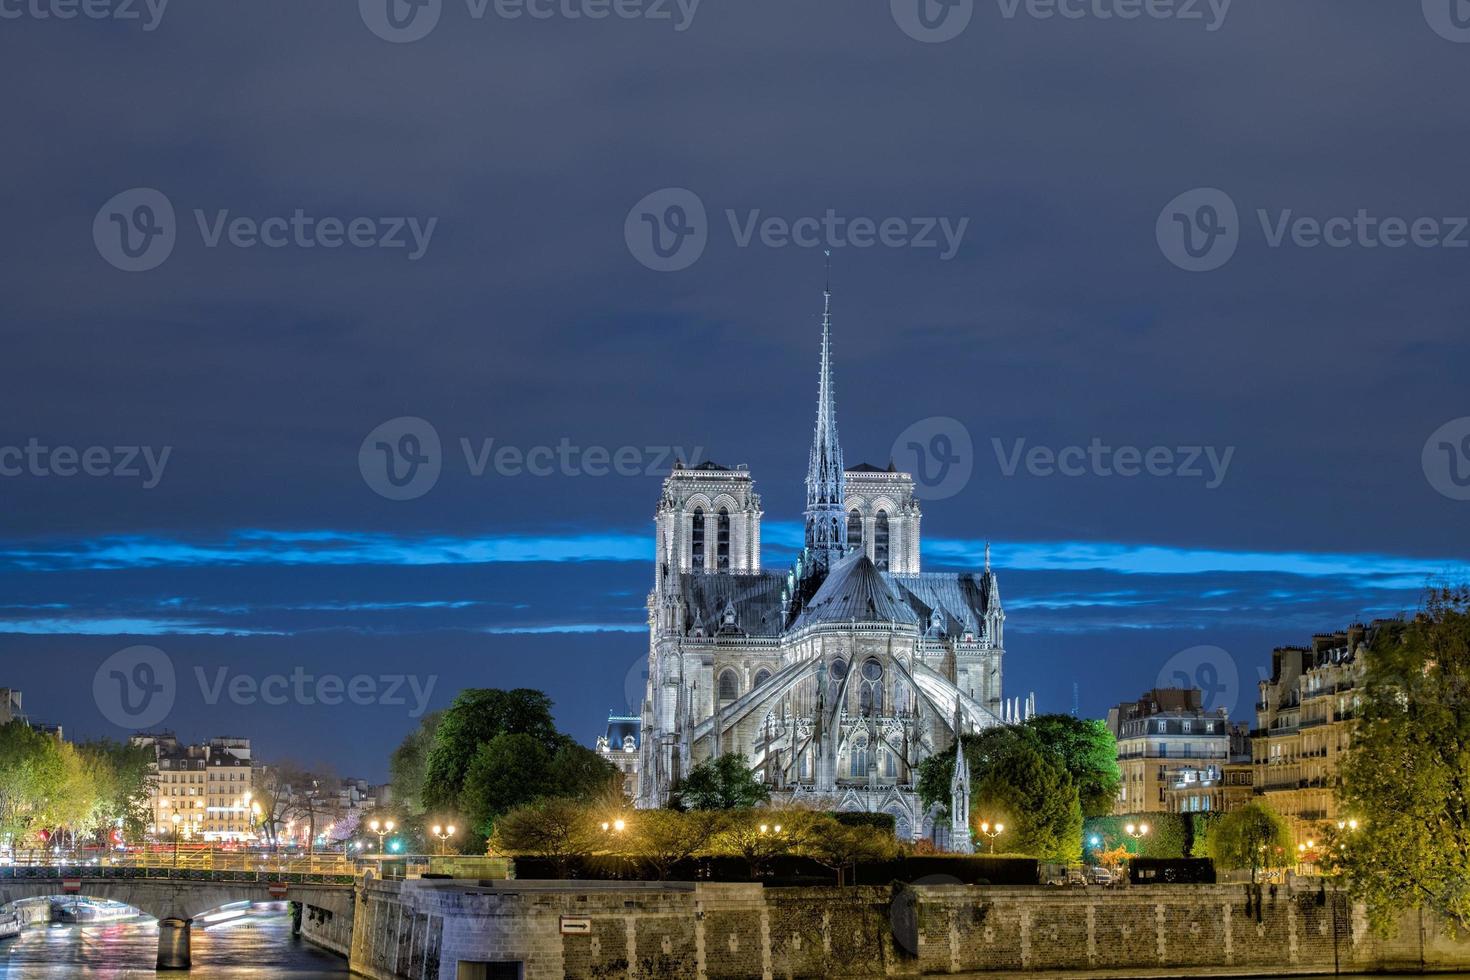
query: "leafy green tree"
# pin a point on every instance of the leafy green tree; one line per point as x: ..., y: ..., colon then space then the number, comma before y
x: 723, y: 783
x: 410, y: 763
x: 35, y: 776
x: 477, y: 716
x: 120, y: 775
x: 761, y: 836
x: 1254, y: 836
x: 556, y: 828
x: 660, y: 839
x: 839, y: 845
x: 507, y: 771
x: 981, y: 752
x: 1032, y: 793
x: 1407, y: 772
x: 1088, y: 751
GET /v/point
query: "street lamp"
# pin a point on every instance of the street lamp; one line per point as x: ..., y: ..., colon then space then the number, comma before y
x: 177, y: 818
x: 1138, y: 832
x: 992, y: 832
x: 382, y: 830
x: 443, y: 833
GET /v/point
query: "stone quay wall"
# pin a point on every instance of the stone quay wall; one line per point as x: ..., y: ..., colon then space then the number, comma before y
x: 425, y: 930
x: 328, y: 928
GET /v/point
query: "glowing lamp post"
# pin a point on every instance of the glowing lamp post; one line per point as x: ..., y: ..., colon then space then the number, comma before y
x: 992, y: 831
x: 443, y: 833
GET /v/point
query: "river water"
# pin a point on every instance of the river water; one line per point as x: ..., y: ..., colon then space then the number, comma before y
x: 254, y: 945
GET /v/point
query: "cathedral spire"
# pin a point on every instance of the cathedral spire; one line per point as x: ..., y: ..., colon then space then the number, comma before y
x: 826, y: 512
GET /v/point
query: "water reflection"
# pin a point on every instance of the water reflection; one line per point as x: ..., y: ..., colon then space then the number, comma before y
x: 257, y: 943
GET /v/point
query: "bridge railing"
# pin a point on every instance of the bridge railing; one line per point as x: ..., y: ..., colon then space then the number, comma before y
x: 297, y: 871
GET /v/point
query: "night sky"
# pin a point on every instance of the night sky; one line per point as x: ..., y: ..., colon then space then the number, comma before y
x: 1094, y: 173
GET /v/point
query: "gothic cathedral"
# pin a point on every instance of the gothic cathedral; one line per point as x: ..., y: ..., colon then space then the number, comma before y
x: 834, y: 678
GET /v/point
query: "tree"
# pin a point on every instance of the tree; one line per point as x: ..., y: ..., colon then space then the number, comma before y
x: 839, y: 845
x: 477, y: 716
x: 662, y: 838
x: 723, y: 783
x: 1034, y: 796
x: 554, y: 828
x: 1407, y: 772
x: 1253, y: 836
x: 290, y: 793
x: 506, y: 772
x: 761, y: 836
x: 981, y: 751
x: 1089, y: 753
x: 410, y: 762
x: 35, y: 773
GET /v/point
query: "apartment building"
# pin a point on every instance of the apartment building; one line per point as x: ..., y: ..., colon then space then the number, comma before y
x: 207, y: 785
x: 1162, y: 734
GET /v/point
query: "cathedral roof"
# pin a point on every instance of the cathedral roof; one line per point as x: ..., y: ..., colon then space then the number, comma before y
x: 870, y: 468
x: 960, y: 600
x: 855, y: 591
x: 755, y: 601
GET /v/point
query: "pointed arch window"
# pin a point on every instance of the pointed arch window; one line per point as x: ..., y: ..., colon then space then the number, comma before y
x: 854, y: 530
x: 761, y: 676
x: 834, y: 682
x: 870, y: 693
x: 697, y: 537
x: 729, y: 685
x: 880, y: 540
x: 722, y: 541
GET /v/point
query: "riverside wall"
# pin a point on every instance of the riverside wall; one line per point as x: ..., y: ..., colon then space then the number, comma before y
x: 428, y: 930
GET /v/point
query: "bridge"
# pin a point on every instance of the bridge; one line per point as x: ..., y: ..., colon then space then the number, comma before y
x: 176, y: 894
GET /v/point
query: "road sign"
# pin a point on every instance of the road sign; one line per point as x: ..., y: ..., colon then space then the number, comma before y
x: 576, y: 925
x: 71, y: 885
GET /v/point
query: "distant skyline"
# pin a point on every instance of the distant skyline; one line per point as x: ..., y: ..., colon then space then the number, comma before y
x: 1078, y: 245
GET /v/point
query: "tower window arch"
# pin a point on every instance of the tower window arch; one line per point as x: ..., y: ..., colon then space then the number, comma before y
x: 854, y: 530
x: 722, y: 540
x: 835, y: 677
x: 870, y: 692
x: 880, y: 540
x: 697, y: 538
x: 729, y: 685
x: 761, y: 676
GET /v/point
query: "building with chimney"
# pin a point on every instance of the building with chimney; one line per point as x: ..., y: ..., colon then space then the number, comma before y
x: 1163, y: 734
